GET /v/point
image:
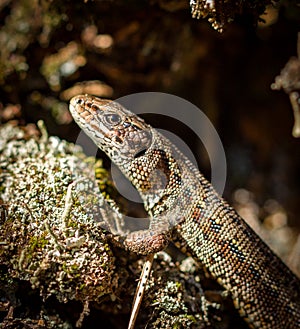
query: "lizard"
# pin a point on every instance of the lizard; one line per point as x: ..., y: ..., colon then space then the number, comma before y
x: 184, y: 208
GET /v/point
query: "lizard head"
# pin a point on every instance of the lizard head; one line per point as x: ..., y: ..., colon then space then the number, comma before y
x: 114, y: 129
x: 142, y: 154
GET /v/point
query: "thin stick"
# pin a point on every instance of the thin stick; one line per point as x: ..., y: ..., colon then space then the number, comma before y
x: 138, y: 297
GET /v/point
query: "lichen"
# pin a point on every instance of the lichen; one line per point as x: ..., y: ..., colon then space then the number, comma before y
x: 177, y: 299
x: 221, y: 13
x: 289, y: 81
x: 61, y: 254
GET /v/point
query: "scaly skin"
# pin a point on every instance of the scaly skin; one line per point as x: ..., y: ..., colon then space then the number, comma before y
x: 183, y: 206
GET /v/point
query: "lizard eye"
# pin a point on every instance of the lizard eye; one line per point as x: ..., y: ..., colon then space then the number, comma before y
x: 112, y: 119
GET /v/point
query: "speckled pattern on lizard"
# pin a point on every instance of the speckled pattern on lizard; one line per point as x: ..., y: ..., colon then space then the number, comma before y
x: 184, y: 207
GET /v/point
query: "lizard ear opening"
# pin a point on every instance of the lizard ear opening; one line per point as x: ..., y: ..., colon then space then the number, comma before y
x: 140, y: 153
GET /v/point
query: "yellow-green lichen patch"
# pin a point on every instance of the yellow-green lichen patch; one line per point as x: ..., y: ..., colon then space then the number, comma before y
x: 177, y: 299
x: 49, y: 233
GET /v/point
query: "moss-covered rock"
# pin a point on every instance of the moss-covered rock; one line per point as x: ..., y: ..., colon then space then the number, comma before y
x: 48, y: 235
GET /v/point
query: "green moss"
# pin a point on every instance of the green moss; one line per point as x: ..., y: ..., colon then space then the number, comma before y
x: 37, y: 243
